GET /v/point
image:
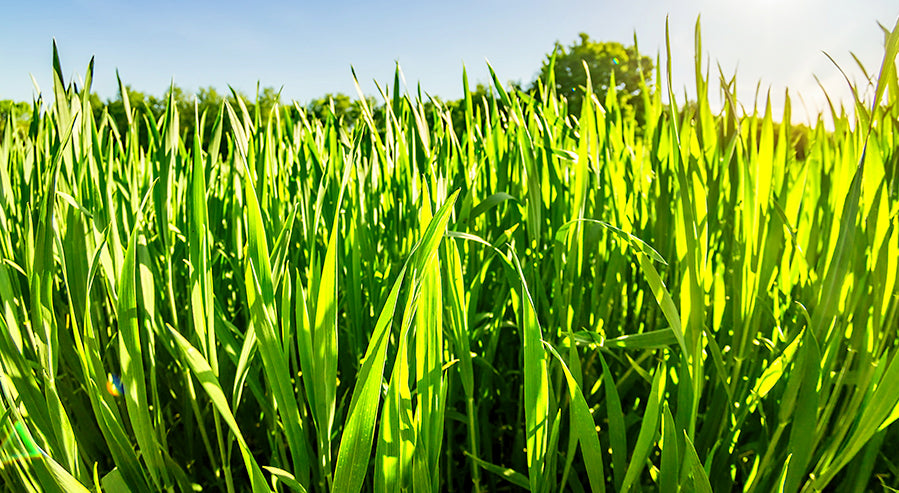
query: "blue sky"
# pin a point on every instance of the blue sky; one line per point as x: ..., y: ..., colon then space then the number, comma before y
x: 308, y: 48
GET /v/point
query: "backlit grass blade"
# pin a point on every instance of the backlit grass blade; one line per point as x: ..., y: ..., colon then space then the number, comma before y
x: 17, y: 443
x: 355, y: 445
x: 398, y: 433
x: 261, y: 302
x: 201, y: 279
x: 131, y: 354
x: 282, y: 476
x: 888, y: 74
x: 429, y: 351
x: 323, y: 378
x: 668, y: 479
x: 489, y: 203
x: 775, y: 371
x: 582, y: 421
x: 201, y: 283
x: 648, y: 340
x: 274, y: 365
x: 536, y: 385
x: 872, y: 419
x: 617, y: 430
x: 426, y: 249
x: 396, y: 438
x: 649, y: 427
x: 43, y: 319
x: 801, y: 442
x: 461, y: 338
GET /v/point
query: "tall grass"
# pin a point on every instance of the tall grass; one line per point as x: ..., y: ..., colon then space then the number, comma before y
x: 534, y: 301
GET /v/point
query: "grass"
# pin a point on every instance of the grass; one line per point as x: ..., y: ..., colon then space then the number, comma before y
x: 707, y: 302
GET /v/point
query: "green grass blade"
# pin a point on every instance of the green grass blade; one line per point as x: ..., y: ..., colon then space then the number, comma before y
x: 536, y: 385
x: 506, y: 473
x: 203, y: 372
x: 668, y: 480
x: 582, y: 421
x: 131, y: 354
x: 355, y: 445
x: 617, y: 428
x: 648, y: 429
x: 701, y: 482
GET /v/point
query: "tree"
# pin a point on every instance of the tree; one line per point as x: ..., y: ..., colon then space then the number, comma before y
x: 207, y: 100
x: 341, y: 105
x: 140, y: 104
x: 602, y: 59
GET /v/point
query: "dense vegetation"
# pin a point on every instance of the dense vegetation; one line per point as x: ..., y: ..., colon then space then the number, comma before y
x: 526, y: 299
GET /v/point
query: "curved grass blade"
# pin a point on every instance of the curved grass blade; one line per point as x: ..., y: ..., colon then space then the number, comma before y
x: 585, y: 427
x: 649, y: 427
x: 355, y: 445
x: 43, y: 319
x: 284, y: 477
x: 506, y: 473
x: 131, y: 350
x: 261, y: 301
x: 203, y: 372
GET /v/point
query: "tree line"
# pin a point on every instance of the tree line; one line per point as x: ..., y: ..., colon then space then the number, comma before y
x: 607, y: 61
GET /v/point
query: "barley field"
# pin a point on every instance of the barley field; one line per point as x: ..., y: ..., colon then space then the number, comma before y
x: 703, y: 301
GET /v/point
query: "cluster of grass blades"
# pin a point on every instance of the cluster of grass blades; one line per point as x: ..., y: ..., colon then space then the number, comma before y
x: 535, y: 301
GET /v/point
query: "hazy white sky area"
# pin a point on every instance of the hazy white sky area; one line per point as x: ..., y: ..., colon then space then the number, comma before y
x: 308, y: 48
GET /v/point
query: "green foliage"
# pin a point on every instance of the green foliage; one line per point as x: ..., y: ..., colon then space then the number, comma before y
x: 191, y: 107
x: 339, y: 106
x: 485, y: 295
x: 613, y: 67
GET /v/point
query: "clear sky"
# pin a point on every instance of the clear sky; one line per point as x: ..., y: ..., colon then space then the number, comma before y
x: 308, y: 48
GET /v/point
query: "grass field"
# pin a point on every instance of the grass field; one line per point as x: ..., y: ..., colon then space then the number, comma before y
x: 704, y: 302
